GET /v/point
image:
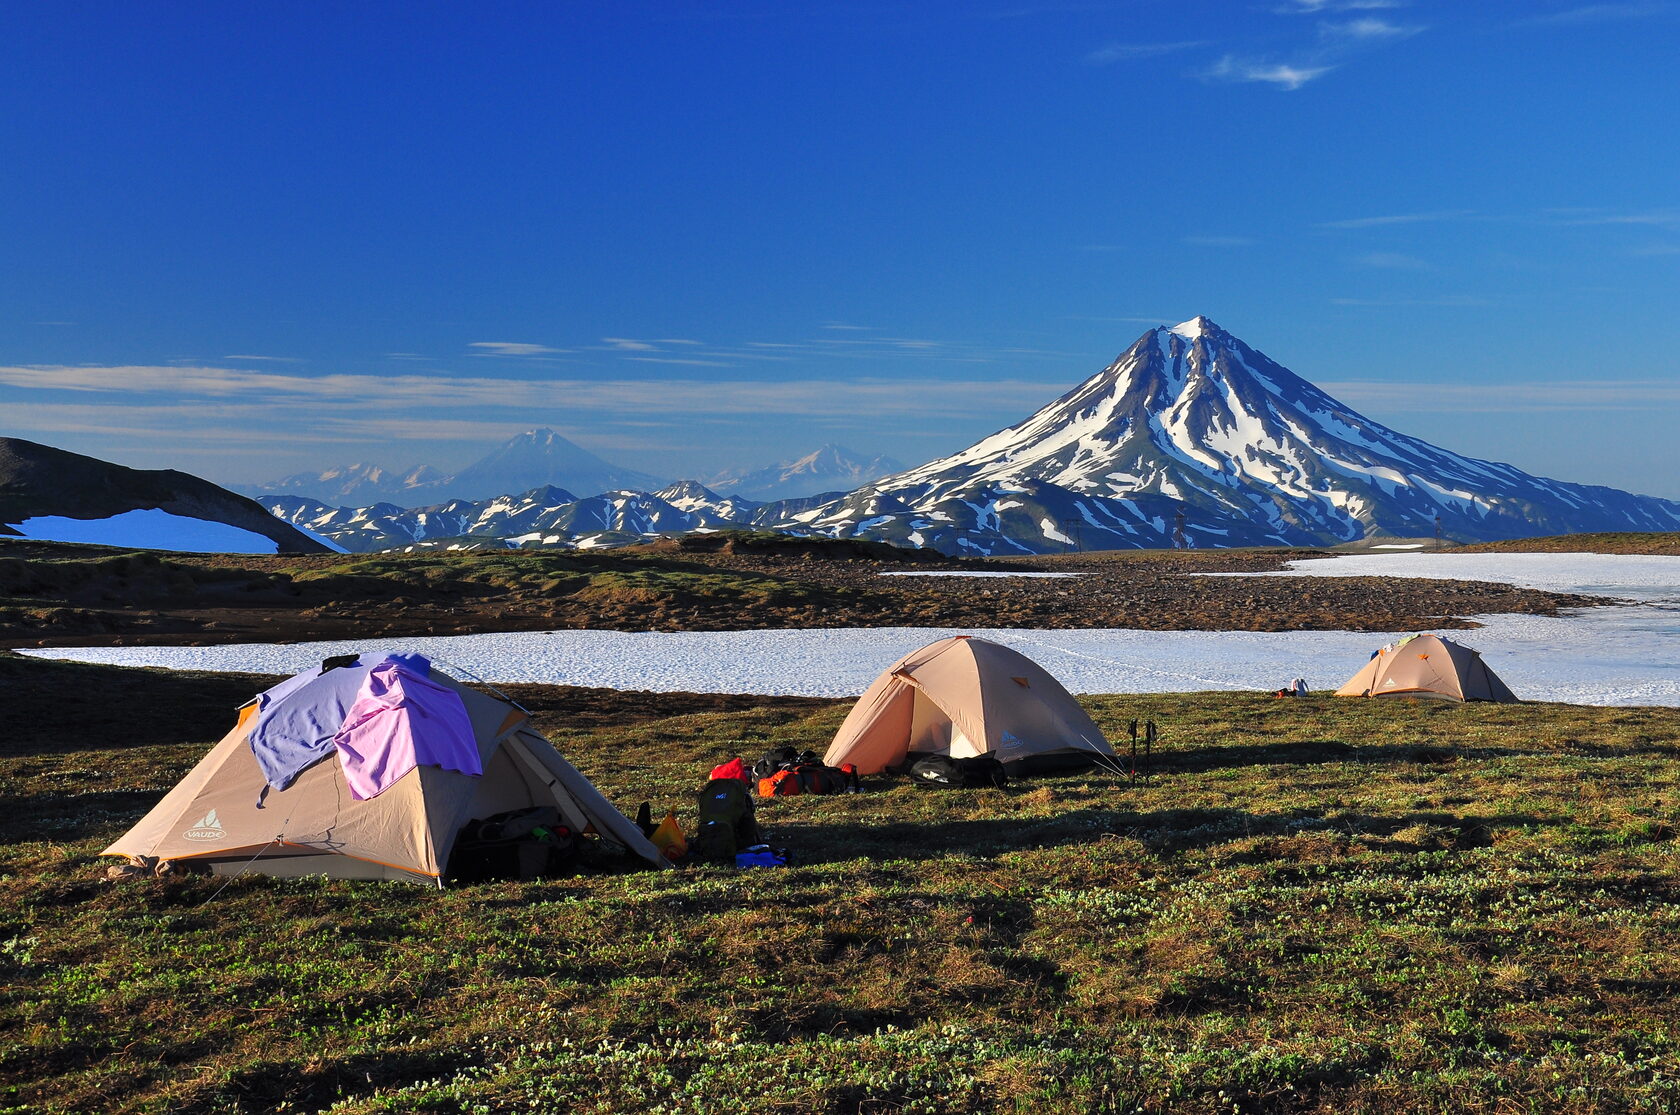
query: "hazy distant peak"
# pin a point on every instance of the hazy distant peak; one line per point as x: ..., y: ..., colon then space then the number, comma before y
x: 828, y: 468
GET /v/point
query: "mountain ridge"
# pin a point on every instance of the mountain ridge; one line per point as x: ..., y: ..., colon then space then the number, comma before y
x: 1188, y: 437
x: 43, y: 482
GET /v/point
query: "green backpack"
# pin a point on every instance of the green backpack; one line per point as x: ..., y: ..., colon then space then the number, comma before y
x: 727, y: 822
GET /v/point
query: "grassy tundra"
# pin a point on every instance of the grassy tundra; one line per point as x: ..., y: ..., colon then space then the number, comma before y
x: 1316, y: 905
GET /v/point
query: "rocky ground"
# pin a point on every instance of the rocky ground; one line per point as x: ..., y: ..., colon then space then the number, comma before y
x: 78, y: 595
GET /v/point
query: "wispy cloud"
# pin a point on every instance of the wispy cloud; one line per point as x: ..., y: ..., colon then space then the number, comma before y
x: 843, y: 325
x: 134, y: 396
x: 1280, y: 74
x: 1128, y: 52
x: 626, y: 344
x: 1368, y: 29
x: 271, y: 359
x: 1335, y: 43
x: 1585, y: 14
x: 1399, y: 219
x: 511, y: 348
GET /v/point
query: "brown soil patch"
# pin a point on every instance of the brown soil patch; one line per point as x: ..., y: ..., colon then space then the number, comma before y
x: 119, y: 599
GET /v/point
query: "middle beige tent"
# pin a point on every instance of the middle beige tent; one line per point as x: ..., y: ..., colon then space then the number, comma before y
x: 965, y: 697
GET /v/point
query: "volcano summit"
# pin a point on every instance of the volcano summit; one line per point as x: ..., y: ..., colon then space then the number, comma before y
x: 1190, y: 420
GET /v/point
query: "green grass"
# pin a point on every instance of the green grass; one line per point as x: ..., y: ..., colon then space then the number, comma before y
x: 1319, y: 905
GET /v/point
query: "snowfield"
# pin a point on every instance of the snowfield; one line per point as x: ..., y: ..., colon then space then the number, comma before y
x: 1618, y: 655
x: 1625, y: 576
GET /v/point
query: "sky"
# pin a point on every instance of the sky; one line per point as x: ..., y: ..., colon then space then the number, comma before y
x: 246, y: 240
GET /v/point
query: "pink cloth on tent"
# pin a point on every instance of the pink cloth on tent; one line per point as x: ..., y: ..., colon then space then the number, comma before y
x: 401, y: 719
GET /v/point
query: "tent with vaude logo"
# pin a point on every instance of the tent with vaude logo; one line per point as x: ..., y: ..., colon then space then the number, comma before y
x: 1427, y: 666
x: 966, y: 697
x: 367, y: 770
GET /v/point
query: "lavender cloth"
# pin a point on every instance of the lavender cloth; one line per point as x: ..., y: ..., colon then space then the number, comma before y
x: 297, y: 719
x: 400, y: 720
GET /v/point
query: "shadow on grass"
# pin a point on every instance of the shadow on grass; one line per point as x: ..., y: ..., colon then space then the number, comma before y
x: 1162, y: 831
x: 1318, y: 751
x: 266, y: 1085
x: 52, y: 707
x: 66, y: 817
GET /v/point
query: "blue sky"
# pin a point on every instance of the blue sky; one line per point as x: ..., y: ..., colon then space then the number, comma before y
x: 248, y: 239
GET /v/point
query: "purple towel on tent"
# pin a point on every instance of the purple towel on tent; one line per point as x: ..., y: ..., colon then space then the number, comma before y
x: 297, y: 719
x: 402, y: 719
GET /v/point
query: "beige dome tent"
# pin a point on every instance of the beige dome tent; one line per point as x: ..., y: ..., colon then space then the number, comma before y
x: 964, y: 697
x: 1427, y: 666
x: 224, y: 813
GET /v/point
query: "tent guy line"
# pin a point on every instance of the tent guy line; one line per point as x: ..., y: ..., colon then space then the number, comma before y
x: 1022, y: 637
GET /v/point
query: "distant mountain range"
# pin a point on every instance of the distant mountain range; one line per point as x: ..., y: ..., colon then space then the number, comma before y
x: 1189, y: 435
x: 55, y: 495
x: 542, y: 458
x: 832, y: 468
x: 541, y: 517
x: 533, y: 459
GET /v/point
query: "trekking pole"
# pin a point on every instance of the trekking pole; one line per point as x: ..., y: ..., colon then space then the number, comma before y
x: 1148, y: 749
x: 1134, y: 772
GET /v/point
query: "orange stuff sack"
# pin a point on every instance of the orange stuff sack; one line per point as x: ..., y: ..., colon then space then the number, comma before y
x: 668, y: 838
x: 784, y: 783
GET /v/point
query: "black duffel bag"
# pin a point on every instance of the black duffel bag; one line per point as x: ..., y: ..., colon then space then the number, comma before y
x: 520, y: 844
x: 941, y: 772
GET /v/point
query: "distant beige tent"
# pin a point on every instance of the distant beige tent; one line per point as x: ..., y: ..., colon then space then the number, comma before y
x: 1427, y: 666
x: 964, y: 697
x: 315, y: 827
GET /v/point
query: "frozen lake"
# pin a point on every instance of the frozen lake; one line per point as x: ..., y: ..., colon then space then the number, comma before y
x: 1619, y: 655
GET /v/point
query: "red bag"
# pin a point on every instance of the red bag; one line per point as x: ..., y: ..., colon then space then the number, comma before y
x: 734, y: 768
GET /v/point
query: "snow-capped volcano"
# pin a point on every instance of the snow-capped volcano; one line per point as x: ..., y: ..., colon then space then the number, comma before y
x: 1188, y: 430
x: 1191, y: 420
